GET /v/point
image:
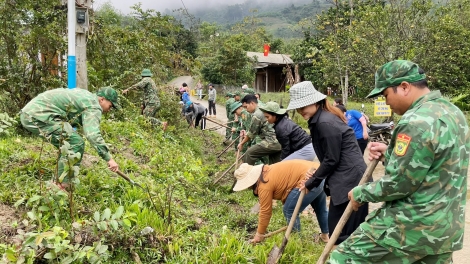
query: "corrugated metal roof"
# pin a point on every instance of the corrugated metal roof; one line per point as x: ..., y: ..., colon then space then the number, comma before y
x: 272, y: 58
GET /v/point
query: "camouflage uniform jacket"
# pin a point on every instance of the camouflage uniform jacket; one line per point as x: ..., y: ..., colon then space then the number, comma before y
x: 227, y: 108
x: 425, y: 182
x: 76, y: 106
x: 244, y: 121
x: 260, y: 127
x: 149, y: 88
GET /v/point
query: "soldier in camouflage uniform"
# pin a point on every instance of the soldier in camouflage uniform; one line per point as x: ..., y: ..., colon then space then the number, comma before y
x: 258, y: 97
x: 46, y: 114
x: 151, y: 102
x: 267, y: 145
x: 235, y: 123
x: 230, y: 116
x: 245, y: 91
x: 243, y: 120
x: 237, y: 96
x: 425, y: 182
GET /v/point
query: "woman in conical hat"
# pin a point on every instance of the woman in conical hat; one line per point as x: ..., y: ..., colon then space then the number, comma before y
x: 341, y: 162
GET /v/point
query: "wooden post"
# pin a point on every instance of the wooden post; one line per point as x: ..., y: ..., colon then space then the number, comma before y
x: 267, y: 79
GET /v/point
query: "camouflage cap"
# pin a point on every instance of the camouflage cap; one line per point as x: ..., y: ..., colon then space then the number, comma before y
x: 111, y: 95
x: 393, y: 73
x: 249, y: 91
x: 229, y: 95
x: 146, y: 73
x: 238, y: 93
x: 234, y: 106
x: 272, y: 107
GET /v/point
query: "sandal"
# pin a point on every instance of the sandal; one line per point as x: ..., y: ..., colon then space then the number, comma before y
x: 323, y: 237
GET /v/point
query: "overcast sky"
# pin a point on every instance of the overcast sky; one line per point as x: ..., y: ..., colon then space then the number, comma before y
x: 161, y: 5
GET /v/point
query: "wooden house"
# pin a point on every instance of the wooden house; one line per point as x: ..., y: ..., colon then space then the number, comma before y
x: 273, y: 72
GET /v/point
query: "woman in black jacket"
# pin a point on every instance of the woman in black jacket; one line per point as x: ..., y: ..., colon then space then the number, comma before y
x: 295, y: 142
x: 341, y: 161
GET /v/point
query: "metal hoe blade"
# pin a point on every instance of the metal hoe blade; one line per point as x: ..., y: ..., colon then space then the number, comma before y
x: 129, y: 180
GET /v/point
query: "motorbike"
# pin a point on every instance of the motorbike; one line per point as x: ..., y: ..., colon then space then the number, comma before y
x: 380, y: 132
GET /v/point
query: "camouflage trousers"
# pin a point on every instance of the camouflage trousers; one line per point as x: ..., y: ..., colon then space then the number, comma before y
x: 258, y: 154
x: 149, y: 110
x: 228, y: 132
x: 52, y: 132
x: 360, y: 249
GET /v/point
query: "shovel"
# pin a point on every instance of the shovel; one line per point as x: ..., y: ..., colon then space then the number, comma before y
x: 129, y: 180
x: 276, y: 252
x: 347, y: 213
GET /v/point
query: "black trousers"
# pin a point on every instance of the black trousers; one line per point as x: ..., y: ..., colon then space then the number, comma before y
x: 362, y: 144
x: 199, y: 118
x: 356, y: 218
x: 211, y: 107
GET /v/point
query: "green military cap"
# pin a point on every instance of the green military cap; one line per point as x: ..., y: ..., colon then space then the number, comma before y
x: 111, y: 95
x: 249, y: 91
x: 229, y: 94
x: 146, y: 73
x: 393, y: 73
x: 237, y: 93
x: 272, y: 107
x: 234, y: 106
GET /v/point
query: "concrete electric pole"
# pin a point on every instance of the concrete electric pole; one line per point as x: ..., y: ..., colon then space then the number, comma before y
x: 81, y: 31
x: 81, y: 20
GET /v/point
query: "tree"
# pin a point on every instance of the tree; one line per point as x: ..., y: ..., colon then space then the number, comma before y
x: 31, y: 39
x: 432, y: 35
x: 122, y: 46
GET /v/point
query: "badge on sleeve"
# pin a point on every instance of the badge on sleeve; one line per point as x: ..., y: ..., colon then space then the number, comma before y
x: 401, y: 144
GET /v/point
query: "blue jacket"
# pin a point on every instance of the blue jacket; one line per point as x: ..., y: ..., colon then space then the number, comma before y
x: 185, y: 97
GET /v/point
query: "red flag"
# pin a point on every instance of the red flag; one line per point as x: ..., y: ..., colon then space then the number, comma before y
x: 266, y: 49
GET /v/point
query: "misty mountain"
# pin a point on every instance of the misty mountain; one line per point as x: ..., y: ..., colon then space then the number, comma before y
x: 277, y: 16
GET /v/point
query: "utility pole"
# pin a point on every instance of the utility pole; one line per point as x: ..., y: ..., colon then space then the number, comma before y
x: 71, y: 64
x: 81, y: 38
x: 77, y: 69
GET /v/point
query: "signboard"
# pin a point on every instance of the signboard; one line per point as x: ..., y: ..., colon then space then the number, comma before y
x: 381, y: 108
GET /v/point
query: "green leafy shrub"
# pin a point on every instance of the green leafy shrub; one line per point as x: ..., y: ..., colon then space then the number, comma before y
x: 6, y: 124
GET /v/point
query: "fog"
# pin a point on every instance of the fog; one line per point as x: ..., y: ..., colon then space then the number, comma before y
x: 162, y: 5
x: 191, y: 5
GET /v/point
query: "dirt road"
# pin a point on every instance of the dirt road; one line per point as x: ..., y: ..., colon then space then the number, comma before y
x: 459, y: 257
x: 221, y: 112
